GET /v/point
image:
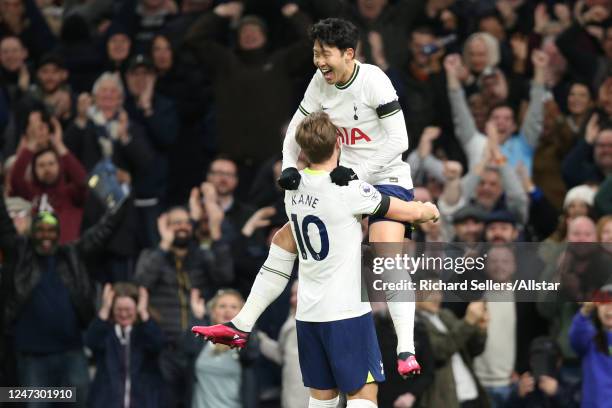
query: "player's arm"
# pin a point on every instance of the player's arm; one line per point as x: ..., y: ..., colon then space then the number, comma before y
x: 290, y: 178
x: 382, y: 97
x: 411, y: 211
x: 363, y: 198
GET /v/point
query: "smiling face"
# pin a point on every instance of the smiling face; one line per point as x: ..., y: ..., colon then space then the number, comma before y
x: 12, y: 54
x: 503, y: 117
x: 489, y: 189
x: 124, y: 311
x: 50, y: 77
x: 108, y: 96
x: 581, y: 230
x: 604, y: 312
x: 336, y: 65
x: 180, y: 224
x: 118, y: 47
x: 418, y: 41
x: 46, y: 237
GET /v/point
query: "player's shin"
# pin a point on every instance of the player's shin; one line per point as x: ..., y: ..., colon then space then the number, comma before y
x: 402, y: 314
x: 269, y: 284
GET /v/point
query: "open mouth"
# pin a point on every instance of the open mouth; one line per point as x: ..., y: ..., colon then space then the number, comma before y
x: 328, y: 73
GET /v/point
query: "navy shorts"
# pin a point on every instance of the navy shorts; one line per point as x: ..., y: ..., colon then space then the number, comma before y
x: 397, y: 192
x: 342, y: 354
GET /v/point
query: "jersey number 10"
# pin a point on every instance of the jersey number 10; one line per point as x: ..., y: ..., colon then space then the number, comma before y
x: 303, y: 238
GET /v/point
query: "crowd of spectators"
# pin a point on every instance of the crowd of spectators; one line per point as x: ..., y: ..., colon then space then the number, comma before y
x: 508, y: 106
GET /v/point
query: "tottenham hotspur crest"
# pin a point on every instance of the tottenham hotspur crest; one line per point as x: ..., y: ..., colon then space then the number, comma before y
x: 355, y: 110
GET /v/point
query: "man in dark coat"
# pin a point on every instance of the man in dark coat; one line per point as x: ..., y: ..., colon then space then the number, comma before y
x: 51, y: 299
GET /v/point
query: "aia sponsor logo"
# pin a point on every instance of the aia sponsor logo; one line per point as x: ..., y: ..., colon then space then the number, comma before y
x: 352, y: 136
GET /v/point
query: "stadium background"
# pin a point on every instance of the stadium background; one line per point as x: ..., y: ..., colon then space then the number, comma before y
x: 184, y: 104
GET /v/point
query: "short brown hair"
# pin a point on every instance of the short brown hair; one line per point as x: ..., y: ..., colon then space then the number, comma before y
x: 317, y: 136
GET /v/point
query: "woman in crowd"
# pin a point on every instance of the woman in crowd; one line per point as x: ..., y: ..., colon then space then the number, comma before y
x: 591, y: 338
x: 125, y: 341
x: 222, y: 377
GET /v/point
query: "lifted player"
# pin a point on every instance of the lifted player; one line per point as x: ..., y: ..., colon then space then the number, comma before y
x: 337, y: 342
x: 363, y: 105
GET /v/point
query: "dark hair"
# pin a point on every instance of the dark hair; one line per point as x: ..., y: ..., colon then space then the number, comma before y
x: 128, y: 289
x: 503, y: 105
x: 490, y: 14
x: 335, y: 32
x: 218, y: 157
x: 586, y: 85
x: 423, y: 30
x: 25, y: 108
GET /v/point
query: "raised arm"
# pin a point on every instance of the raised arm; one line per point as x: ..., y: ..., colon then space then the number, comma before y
x: 291, y: 150
x: 471, y: 140
x: 533, y: 122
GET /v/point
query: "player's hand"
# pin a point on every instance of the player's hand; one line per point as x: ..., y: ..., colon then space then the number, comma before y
x: 342, y: 175
x: 430, y: 213
x: 289, y: 179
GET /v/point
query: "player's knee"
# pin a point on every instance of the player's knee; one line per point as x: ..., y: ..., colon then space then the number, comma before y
x: 366, y: 394
x: 323, y: 403
x: 284, y: 239
x: 361, y: 403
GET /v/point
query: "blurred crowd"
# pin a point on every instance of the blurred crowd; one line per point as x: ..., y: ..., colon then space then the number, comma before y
x: 508, y: 106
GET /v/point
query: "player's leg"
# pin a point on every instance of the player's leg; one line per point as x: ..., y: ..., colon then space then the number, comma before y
x: 353, y: 353
x: 316, y: 371
x: 365, y: 397
x: 271, y: 279
x: 323, y: 398
x: 387, y: 237
x: 269, y: 284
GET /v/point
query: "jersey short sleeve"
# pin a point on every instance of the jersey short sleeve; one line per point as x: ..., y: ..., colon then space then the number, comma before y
x: 310, y: 103
x: 381, y: 95
x: 361, y: 197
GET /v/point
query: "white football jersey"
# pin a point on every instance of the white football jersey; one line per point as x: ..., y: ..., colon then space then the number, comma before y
x: 357, y: 108
x: 325, y: 221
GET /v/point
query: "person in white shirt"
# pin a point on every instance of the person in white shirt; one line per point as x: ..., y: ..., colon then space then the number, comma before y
x: 337, y: 342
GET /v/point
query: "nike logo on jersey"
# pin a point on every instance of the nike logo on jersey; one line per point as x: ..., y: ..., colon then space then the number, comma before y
x: 324, y: 108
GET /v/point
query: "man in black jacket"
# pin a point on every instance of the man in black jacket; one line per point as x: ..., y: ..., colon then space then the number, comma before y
x: 51, y: 299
